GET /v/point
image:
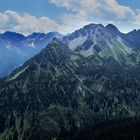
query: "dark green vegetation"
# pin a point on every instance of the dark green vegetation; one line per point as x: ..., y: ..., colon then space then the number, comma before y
x: 127, y: 129
x: 60, y: 91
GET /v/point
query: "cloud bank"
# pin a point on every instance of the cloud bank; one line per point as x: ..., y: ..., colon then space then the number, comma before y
x: 81, y: 12
x: 100, y: 11
x: 25, y: 23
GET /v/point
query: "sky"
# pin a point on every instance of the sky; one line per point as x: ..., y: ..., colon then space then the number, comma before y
x: 65, y: 16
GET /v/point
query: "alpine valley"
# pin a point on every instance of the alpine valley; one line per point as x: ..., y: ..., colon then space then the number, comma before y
x: 82, y: 86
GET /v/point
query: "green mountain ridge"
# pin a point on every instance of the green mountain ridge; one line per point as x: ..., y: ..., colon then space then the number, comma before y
x: 60, y: 89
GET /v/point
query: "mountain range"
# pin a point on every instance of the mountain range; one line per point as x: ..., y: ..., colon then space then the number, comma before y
x: 84, y: 83
x: 15, y: 48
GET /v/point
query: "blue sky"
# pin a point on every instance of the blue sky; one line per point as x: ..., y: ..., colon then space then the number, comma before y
x: 34, y: 7
x: 132, y: 3
x: 27, y: 16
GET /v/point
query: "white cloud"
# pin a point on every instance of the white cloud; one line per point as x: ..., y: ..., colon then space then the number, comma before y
x: 99, y: 11
x: 25, y: 23
x: 101, y: 8
x: 120, y: 12
x: 137, y: 19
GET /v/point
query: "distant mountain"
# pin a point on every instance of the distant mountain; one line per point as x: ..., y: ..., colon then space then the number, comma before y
x: 11, y: 39
x: 59, y: 90
x: 133, y: 38
x: 15, y: 48
x: 97, y: 39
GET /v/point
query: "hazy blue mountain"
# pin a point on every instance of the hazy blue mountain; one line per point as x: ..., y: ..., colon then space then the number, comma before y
x: 15, y: 48
x: 133, y: 38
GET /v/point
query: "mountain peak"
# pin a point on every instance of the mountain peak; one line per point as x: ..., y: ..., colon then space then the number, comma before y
x: 92, y: 25
x: 111, y: 26
x: 84, y: 32
x: 9, y: 33
x: 55, y: 45
x: 113, y: 29
x: 12, y: 36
